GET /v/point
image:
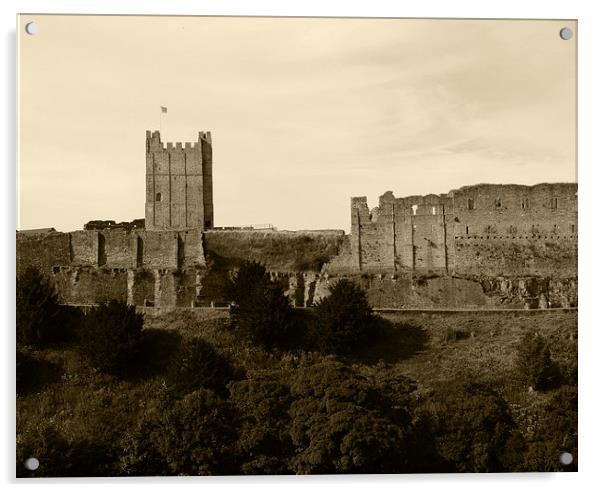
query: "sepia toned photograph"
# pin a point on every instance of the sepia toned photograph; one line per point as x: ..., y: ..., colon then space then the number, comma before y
x: 294, y: 246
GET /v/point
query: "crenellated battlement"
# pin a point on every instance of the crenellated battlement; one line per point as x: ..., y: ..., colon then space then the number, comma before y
x: 154, y: 143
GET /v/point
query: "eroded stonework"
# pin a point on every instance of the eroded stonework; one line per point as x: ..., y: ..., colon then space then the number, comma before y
x: 476, y: 230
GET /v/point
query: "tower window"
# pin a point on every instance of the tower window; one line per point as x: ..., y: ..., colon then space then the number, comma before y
x: 158, y: 197
x: 414, y: 209
x: 525, y: 203
x: 471, y: 204
x: 572, y: 228
x: 434, y: 210
x: 498, y: 203
x: 554, y: 203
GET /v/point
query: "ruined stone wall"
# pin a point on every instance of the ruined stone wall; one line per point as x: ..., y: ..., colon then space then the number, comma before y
x: 43, y: 251
x: 482, y: 229
x: 161, y: 268
x: 179, y: 183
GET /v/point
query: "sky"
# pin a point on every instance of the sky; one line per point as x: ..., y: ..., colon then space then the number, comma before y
x: 304, y: 112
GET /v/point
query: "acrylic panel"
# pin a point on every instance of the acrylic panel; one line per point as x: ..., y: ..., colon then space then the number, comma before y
x: 252, y: 245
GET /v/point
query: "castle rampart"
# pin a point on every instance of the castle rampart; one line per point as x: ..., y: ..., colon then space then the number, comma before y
x: 482, y: 229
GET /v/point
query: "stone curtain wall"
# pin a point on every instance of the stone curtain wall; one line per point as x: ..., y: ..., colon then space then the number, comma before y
x: 179, y: 183
x: 483, y: 229
x: 162, y: 268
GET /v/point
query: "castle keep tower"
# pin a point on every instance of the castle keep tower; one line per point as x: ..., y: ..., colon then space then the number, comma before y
x: 179, y: 183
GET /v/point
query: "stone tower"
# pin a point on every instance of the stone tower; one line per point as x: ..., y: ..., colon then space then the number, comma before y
x: 179, y: 183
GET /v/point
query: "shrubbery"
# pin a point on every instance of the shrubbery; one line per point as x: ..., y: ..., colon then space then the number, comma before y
x: 555, y: 433
x: 190, y: 411
x: 37, y: 310
x: 534, y: 363
x: 260, y: 311
x: 472, y: 427
x: 60, y: 457
x: 110, y: 337
x: 191, y: 436
x: 344, y: 320
x: 197, y: 365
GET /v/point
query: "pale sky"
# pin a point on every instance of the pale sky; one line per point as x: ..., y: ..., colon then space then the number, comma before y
x: 304, y: 113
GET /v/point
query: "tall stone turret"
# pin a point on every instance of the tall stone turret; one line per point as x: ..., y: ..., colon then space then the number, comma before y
x: 179, y: 183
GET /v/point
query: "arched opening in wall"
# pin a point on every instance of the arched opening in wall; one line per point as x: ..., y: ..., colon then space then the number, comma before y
x: 414, y: 209
x: 433, y: 210
x: 524, y: 204
x: 471, y: 204
x: 158, y: 197
x: 139, y: 251
x: 498, y: 203
x: 572, y: 228
x: 467, y: 230
x: 102, y: 253
x: 554, y: 203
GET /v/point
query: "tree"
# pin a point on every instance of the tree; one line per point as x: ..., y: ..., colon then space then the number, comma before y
x: 264, y: 444
x: 472, y: 426
x: 198, y: 365
x: 342, y: 423
x: 260, y: 311
x: 534, y: 363
x: 343, y: 320
x: 60, y: 457
x: 37, y: 309
x: 111, y: 337
x: 191, y: 436
x: 555, y: 433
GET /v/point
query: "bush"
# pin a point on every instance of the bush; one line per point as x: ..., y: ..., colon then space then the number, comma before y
x: 473, y: 427
x: 34, y: 373
x: 111, y: 337
x: 344, y: 320
x: 198, y: 365
x: 37, y: 309
x: 555, y: 433
x: 342, y: 422
x: 264, y: 444
x: 534, y: 364
x: 261, y: 312
x: 60, y: 457
x: 192, y: 436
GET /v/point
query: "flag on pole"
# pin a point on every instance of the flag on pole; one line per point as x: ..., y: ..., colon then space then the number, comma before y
x: 163, y: 109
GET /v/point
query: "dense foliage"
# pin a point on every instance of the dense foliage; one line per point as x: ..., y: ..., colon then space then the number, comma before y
x: 534, y: 362
x: 198, y: 365
x: 344, y: 319
x: 473, y: 427
x: 111, y: 336
x: 38, y: 313
x: 188, y: 396
x: 260, y: 311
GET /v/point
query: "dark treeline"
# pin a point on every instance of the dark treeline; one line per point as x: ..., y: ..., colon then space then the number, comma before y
x: 272, y: 391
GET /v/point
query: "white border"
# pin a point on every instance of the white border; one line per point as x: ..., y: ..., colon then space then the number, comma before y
x: 590, y: 110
